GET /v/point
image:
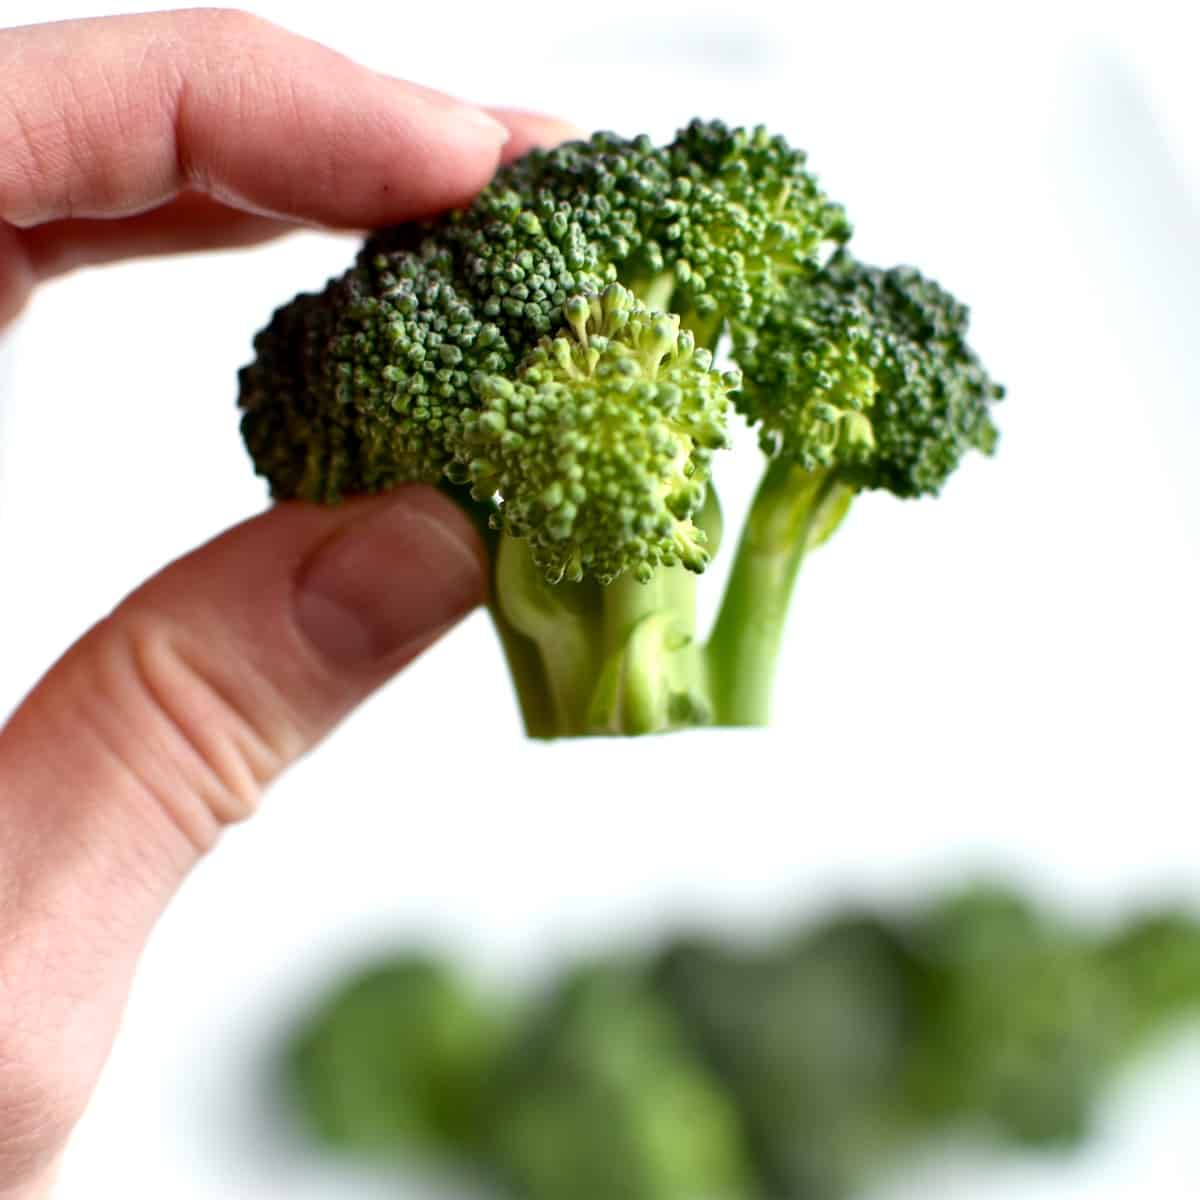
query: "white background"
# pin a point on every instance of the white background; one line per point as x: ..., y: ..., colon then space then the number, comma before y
x: 1005, y: 679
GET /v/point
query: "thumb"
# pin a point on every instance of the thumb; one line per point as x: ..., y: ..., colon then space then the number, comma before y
x: 164, y: 723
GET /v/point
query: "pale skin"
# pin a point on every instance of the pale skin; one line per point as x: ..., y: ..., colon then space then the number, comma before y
x: 164, y: 724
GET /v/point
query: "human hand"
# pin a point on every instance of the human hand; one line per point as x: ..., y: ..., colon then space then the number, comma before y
x: 152, y: 134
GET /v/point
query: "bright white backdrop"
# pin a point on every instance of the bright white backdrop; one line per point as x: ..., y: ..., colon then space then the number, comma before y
x: 1005, y: 679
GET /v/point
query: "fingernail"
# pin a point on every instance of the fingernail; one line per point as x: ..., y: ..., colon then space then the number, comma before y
x: 483, y: 120
x: 456, y: 112
x: 538, y: 129
x: 390, y: 580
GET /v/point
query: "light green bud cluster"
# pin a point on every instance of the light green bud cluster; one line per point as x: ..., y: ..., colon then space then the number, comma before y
x: 599, y: 449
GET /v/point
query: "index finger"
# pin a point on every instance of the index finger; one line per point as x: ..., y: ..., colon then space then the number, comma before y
x: 113, y: 116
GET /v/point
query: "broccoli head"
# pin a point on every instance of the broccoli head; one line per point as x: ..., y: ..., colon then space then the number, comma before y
x: 809, y: 1036
x: 867, y: 373
x: 398, y: 1057
x: 604, y: 1097
x: 552, y: 355
x: 1021, y: 1022
x: 603, y: 440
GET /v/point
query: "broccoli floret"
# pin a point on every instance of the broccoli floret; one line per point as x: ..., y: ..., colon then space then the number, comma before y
x: 546, y: 356
x: 360, y: 388
x: 1155, y: 961
x: 810, y: 1037
x: 799, y: 1066
x: 749, y: 220
x: 867, y: 373
x: 1021, y: 1023
x: 604, y: 1097
x: 602, y: 441
x: 400, y: 1057
x: 858, y: 379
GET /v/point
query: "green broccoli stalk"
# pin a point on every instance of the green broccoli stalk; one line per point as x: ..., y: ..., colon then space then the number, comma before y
x: 858, y: 379
x: 546, y: 356
x: 603, y: 441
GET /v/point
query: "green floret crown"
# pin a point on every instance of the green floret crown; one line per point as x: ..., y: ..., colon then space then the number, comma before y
x: 368, y: 385
x: 557, y: 223
x: 867, y: 372
x: 299, y: 441
x: 811, y: 382
x: 599, y: 449
x: 744, y: 217
x: 361, y: 388
x: 545, y: 355
x: 717, y: 221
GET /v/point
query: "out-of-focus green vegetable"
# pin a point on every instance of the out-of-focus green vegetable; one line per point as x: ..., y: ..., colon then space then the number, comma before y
x: 605, y: 1096
x: 1155, y: 959
x: 397, y: 1059
x: 810, y: 1037
x: 1020, y: 1023
x: 796, y: 1069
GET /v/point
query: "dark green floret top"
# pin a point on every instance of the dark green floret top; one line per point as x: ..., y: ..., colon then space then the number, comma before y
x: 869, y: 372
x: 567, y: 355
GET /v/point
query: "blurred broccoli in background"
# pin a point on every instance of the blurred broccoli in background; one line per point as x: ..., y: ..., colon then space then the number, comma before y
x: 1156, y: 955
x: 604, y: 1095
x: 711, y: 1069
x: 399, y: 1056
x: 1021, y: 1022
x: 809, y: 1036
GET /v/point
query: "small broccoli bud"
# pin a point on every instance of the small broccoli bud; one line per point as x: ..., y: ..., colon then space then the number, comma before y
x: 812, y: 393
x: 869, y: 372
x: 599, y: 452
x: 557, y: 223
x: 745, y: 217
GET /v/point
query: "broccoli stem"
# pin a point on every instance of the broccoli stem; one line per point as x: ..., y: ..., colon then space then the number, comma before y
x: 525, y: 666
x: 655, y: 292
x: 527, y: 672
x: 792, y: 511
x: 552, y: 635
x: 589, y: 658
x: 623, y: 658
x: 654, y: 676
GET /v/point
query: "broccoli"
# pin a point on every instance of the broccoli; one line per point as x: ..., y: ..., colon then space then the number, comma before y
x: 801, y: 1066
x: 400, y: 1055
x: 603, y: 1096
x: 1022, y: 1024
x: 810, y: 1036
x: 553, y: 357
x: 1155, y: 960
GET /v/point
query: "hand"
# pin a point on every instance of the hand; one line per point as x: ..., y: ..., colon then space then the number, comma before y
x: 150, y: 134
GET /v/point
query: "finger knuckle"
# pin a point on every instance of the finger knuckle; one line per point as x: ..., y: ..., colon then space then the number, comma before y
x: 192, y: 732
x: 225, y: 754
x: 229, y: 24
